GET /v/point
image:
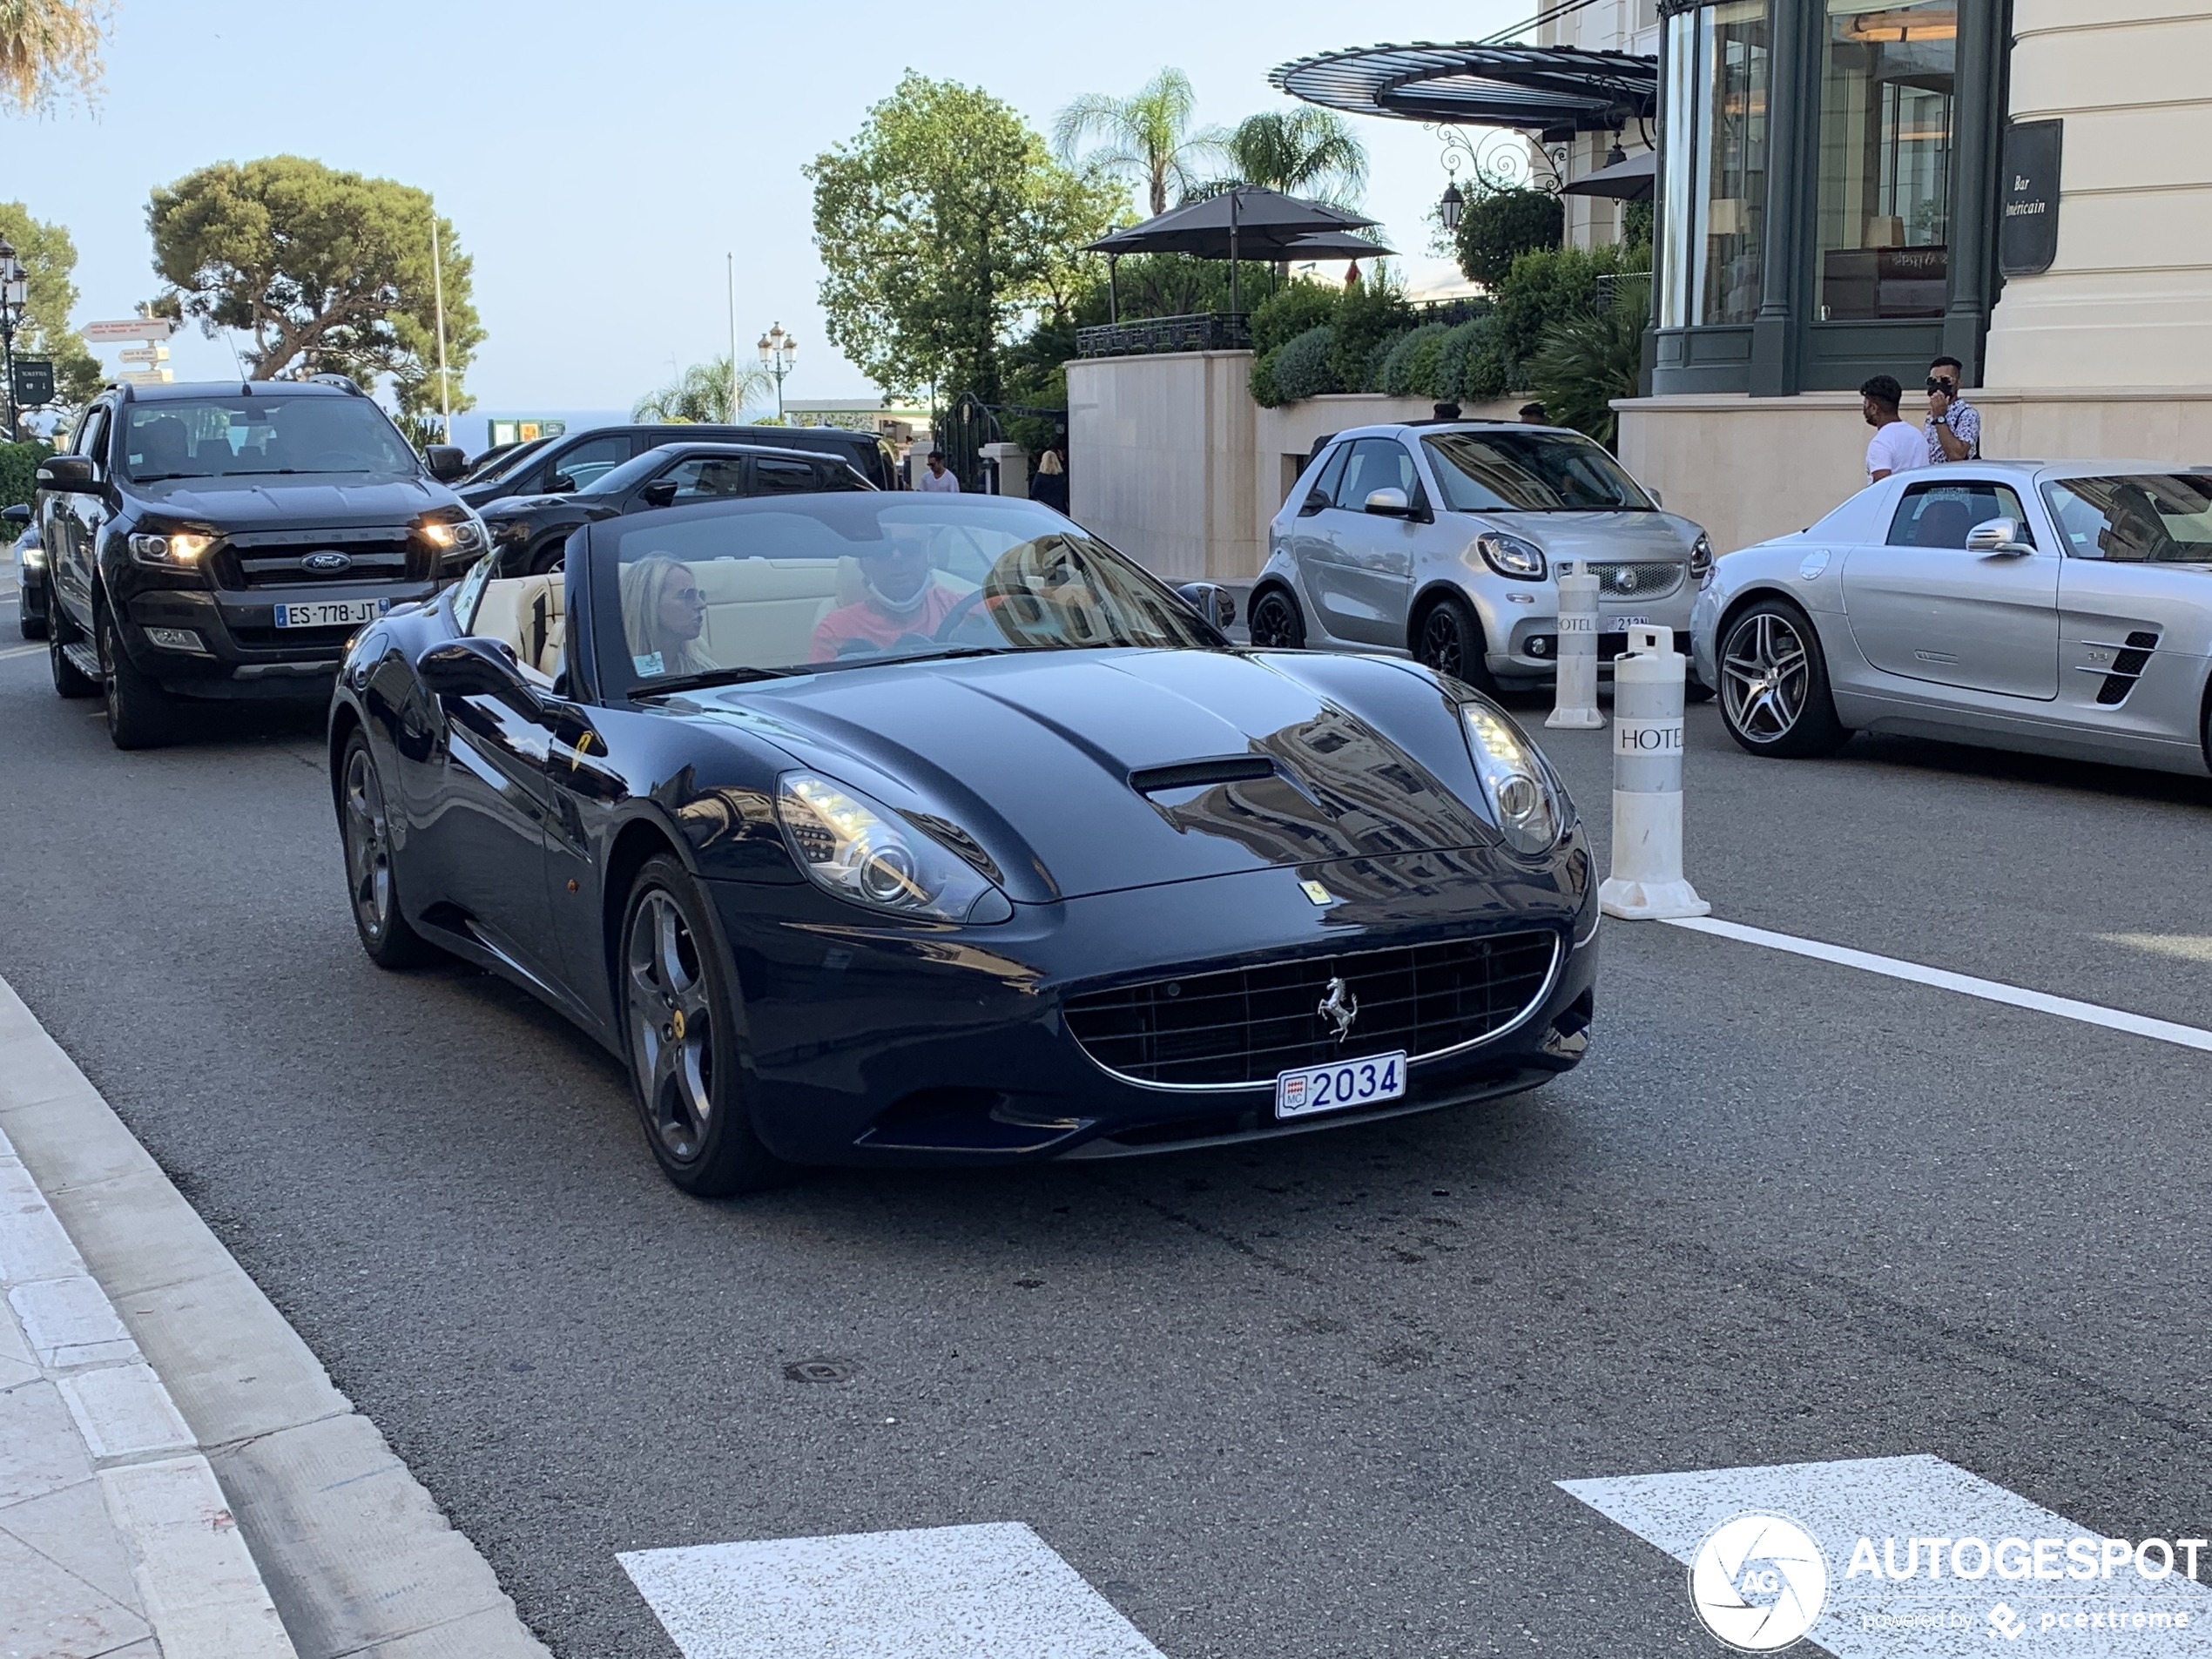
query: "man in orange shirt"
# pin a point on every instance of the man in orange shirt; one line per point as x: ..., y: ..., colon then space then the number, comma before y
x: 903, y: 601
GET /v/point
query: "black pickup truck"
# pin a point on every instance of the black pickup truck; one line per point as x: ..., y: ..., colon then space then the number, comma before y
x: 225, y: 540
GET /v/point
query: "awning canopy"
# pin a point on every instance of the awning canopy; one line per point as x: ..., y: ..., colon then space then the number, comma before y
x: 1246, y: 222
x: 1557, y: 91
x: 1632, y: 180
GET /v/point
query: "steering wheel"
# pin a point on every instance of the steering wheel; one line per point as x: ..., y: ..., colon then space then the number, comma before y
x: 956, y: 616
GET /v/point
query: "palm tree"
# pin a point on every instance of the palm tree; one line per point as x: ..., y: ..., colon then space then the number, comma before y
x: 704, y: 394
x: 48, y: 46
x: 1305, y: 151
x: 1147, y: 134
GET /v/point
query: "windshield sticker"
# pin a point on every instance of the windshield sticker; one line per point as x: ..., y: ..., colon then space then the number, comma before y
x: 648, y: 663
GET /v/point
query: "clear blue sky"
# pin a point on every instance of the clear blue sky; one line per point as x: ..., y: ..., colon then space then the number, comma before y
x: 599, y: 160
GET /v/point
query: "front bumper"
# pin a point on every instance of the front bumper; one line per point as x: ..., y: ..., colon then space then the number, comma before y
x: 1529, y: 632
x: 876, y: 1043
x: 242, y: 653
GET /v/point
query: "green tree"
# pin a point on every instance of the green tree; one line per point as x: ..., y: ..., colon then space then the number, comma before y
x: 49, y: 48
x: 1497, y: 226
x: 327, y: 271
x: 945, y: 225
x: 48, y: 259
x: 1307, y: 151
x: 1148, y: 134
x: 1589, y: 358
x: 703, y: 394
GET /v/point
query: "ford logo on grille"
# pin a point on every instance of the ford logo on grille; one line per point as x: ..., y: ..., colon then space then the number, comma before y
x: 324, y: 564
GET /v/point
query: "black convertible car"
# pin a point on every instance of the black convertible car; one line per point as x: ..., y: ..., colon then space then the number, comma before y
x: 898, y: 827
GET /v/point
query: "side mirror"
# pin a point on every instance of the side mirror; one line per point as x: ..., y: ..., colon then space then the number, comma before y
x: 1211, y: 600
x: 1389, y: 503
x: 68, y: 473
x: 2007, y: 536
x: 659, y: 493
x: 1657, y: 499
x: 19, y: 514
x: 448, y: 462
x: 560, y: 485
x: 473, y: 667
x: 1315, y: 502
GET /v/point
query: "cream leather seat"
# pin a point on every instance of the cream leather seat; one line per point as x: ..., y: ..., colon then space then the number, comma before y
x: 528, y: 613
x: 762, y: 612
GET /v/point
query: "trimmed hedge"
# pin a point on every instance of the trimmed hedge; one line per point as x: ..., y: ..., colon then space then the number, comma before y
x: 1288, y: 313
x: 1305, y: 367
x: 18, y: 476
x: 1409, y: 369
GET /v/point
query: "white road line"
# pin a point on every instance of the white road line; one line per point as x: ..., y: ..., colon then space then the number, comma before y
x: 986, y: 1591
x: 1892, y: 1501
x: 22, y: 651
x: 2142, y: 1025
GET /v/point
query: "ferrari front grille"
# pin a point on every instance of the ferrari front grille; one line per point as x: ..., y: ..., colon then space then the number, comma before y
x: 1642, y: 580
x: 1241, y: 1026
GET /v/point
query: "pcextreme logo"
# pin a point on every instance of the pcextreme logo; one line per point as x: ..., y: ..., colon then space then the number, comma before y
x: 1758, y: 1582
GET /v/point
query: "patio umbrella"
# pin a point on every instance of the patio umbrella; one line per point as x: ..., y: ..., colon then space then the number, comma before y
x: 1629, y: 181
x: 1245, y: 221
x: 1332, y: 245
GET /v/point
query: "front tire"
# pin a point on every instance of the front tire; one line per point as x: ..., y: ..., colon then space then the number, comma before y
x: 69, y: 680
x: 681, y: 1037
x: 29, y: 623
x: 140, y: 715
x: 1275, y: 623
x: 1775, y: 695
x: 1448, y: 638
x: 365, y: 825
x: 549, y: 556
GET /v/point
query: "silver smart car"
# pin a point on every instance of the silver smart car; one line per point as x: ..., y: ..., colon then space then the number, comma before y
x: 1445, y: 540
x: 2060, y: 608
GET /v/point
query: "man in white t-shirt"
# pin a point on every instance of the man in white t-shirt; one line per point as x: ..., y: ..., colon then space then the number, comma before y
x: 1896, y: 445
x: 939, y: 481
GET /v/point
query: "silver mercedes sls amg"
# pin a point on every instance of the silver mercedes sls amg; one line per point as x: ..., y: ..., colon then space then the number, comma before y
x: 2058, y: 608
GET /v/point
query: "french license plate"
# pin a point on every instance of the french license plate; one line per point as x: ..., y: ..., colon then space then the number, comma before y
x: 330, y: 613
x: 1622, y: 624
x: 1346, y: 1084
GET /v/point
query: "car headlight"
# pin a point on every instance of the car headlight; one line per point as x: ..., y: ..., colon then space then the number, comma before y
x: 178, y: 548
x: 31, y: 558
x: 861, y: 850
x: 1530, y: 810
x: 1510, y: 557
x: 456, y: 531
x: 1701, y: 560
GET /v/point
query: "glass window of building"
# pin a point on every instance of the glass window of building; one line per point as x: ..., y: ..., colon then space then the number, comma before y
x: 1716, y: 163
x: 1884, y: 218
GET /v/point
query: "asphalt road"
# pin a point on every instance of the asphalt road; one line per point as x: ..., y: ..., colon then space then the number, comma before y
x: 1303, y: 1400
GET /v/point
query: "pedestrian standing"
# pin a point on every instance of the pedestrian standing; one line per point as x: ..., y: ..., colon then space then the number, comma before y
x: 1050, y: 485
x: 937, y: 480
x: 1895, y: 446
x: 1955, y: 425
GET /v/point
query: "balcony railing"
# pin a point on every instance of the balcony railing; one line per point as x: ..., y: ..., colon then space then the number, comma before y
x: 1206, y: 331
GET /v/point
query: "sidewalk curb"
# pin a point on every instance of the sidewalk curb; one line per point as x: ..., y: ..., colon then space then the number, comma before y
x: 355, y: 1556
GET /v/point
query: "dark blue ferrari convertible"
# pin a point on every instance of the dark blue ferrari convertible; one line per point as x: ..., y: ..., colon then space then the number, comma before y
x: 922, y: 828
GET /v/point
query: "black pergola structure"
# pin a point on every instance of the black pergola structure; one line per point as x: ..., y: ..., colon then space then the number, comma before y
x: 1243, y: 222
x: 1556, y: 91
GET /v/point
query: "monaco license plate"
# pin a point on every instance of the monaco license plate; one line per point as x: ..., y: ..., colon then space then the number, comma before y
x: 1334, y: 1087
x: 330, y: 613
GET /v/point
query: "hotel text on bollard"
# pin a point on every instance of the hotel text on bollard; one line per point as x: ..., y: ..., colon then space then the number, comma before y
x: 1576, y: 703
x: 1647, y: 880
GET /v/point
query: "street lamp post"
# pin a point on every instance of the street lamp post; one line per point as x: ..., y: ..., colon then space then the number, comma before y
x: 15, y: 294
x: 777, y: 351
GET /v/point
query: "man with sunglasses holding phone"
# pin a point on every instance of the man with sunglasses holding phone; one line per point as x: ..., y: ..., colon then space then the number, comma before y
x: 1955, y: 425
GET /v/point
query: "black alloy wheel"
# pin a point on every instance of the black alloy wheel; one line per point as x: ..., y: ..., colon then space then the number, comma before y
x: 1775, y: 698
x: 365, y: 825
x: 30, y: 622
x: 140, y: 715
x: 68, y: 680
x: 1275, y: 621
x: 1449, y: 640
x: 684, y: 1070
x: 549, y: 555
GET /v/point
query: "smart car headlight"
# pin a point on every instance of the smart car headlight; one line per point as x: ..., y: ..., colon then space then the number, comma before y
x: 1530, y: 810
x: 1701, y: 560
x: 1511, y: 556
x: 861, y: 850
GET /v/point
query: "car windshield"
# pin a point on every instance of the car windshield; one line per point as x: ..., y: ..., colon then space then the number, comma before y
x: 490, y: 467
x: 2162, y: 517
x: 1529, y: 472
x: 233, y: 436
x: 739, y: 589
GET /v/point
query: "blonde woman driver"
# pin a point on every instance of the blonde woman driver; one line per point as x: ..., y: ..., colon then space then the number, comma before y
x: 663, y: 615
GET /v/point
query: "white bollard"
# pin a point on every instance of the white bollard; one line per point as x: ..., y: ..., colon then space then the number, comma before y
x: 1647, y: 882
x: 1575, y: 704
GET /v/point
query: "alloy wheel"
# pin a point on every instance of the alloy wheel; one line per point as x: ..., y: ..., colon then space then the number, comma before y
x: 1442, y: 648
x: 671, y: 1026
x: 1765, y: 673
x: 1273, y: 625
x: 369, y: 850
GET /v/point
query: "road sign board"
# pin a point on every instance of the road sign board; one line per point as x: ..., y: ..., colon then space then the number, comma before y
x: 146, y: 377
x: 129, y: 328
x: 34, y: 381
x: 145, y: 354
